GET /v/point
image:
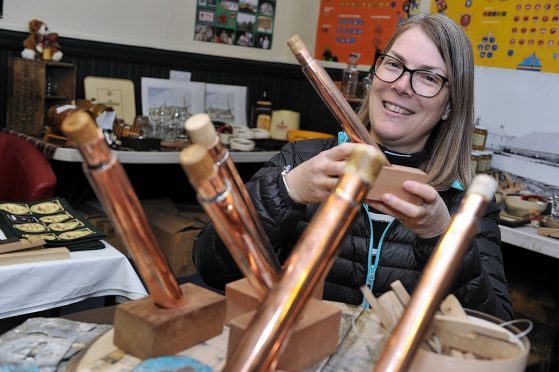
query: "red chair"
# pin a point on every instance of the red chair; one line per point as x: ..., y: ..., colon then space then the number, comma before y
x: 25, y: 174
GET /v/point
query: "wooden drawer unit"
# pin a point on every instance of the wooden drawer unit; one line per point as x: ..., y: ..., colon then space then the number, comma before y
x: 27, y: 96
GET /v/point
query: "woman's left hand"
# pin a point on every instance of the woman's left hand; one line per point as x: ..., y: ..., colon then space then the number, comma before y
x: 427, y: 220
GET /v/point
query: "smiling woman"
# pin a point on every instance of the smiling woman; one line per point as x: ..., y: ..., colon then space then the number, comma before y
x: 420, y: 111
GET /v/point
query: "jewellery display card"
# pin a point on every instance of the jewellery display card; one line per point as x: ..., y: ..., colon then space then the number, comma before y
x: 54, y: 220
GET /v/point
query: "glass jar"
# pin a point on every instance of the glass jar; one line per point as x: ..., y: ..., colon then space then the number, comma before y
x: 479, y: 138
x: 484, y: 164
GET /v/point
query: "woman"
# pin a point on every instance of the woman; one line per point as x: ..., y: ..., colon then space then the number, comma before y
x: 420, y: 111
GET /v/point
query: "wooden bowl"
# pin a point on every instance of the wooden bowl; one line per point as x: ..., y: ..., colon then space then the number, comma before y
x: 525, y: 206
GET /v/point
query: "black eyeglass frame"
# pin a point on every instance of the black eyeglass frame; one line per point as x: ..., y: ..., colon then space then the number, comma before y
x: 404, y: 70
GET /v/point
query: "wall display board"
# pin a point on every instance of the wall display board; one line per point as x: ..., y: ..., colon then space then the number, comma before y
x: 514, y: 34
x: 363, y: 27
x: 247, y: 23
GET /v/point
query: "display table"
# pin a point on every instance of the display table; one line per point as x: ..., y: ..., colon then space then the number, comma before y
x: 359, y: 344
x: 31, y: 287
x: 527, y: 237
x: 160, y: 157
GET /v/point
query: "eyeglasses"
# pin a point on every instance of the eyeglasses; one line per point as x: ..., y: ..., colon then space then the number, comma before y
x: 424, y: 83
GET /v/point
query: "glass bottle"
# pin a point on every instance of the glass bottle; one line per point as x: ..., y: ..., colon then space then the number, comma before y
x: 262, y: 112
x: 350, y: 76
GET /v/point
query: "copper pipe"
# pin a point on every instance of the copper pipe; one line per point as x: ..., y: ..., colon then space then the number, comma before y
x: 329, y: 93
x: 228, y: 213
x: 201, y: 130
x: 112, y: 187
x: 260, y: 346
x: 437, y: 277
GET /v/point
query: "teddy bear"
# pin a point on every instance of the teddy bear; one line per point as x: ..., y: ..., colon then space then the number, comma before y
x: 41, y: 44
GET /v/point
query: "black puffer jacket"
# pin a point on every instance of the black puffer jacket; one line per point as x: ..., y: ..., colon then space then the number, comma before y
x: 480, y: 283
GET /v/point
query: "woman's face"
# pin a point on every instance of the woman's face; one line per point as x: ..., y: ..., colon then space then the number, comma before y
x: 401, y: 119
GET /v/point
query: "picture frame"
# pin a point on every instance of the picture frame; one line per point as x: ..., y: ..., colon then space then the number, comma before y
x: 115, y: 93
x: 159, y: 92
x: 226, y: 103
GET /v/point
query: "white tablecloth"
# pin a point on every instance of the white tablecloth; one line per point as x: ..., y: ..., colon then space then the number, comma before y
x: 31, y: 287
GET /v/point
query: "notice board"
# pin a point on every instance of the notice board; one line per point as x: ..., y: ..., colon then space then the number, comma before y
x: 513, y: 34
x: 363, y: 26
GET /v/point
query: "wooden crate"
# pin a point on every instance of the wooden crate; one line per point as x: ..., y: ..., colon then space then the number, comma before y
x: 27, y: 101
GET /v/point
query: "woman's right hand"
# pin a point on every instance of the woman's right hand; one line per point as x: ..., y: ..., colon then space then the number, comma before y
x: 313, y: 180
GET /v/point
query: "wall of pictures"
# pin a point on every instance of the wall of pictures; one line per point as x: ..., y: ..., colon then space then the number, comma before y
x: 245, y: 23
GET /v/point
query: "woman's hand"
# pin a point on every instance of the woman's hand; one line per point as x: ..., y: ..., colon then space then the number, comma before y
x: 427, y: 220
x: 313, y: 180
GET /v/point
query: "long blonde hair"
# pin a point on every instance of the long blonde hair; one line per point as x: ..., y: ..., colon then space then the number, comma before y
x: 449, y: 145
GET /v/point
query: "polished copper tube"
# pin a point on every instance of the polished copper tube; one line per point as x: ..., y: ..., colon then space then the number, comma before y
x: 111, y: 185
x: 201, y: 130
x: 228, y: 213
x: 260, y: 346
x: 437, y: 277
x: 330, y: 94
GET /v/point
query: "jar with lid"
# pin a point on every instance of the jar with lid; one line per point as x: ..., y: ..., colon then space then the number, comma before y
x: 479, y: 137
x: 484, y: 164
x: 350, y: 77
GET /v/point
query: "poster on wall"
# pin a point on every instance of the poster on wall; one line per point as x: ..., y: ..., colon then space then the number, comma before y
x: 363, y: 27
x: 514, y: 34
x: 246, y: 23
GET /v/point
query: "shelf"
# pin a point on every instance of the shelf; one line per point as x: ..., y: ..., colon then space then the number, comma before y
x: 527, y: 237
x: 161, y: 157
x: 57, y: 97
x: 26, y: 99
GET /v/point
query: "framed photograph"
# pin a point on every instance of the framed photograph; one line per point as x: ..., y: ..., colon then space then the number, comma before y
x: 265, y: 24
x: 226, y: 103
x: 164, y: 92
x: 116, y: 93
x: 206, y: 17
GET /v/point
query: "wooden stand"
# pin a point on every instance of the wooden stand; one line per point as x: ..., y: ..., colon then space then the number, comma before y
x: 391, y: 180
x: 315, y: 336
x: 146, y: 330
x: 241, y: 298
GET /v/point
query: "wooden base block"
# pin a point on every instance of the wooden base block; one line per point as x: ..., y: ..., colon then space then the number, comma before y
x: 392, y: 178
x: 146, y: 330
x: 241, y: 298
x: 314, y: 338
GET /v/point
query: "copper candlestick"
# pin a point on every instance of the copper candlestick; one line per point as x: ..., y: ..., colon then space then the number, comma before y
x: 329, y: 93
x: 225, y: 207
x: 437, y: 277
x: 112, y: 187
x: 262, y: 343
x: 201, y: 130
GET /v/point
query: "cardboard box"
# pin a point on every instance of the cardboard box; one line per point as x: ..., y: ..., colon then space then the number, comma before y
x: 104, y: 225
x: 175, y: 232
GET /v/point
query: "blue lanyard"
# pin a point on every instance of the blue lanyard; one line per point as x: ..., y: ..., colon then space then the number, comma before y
x: 372, y: 268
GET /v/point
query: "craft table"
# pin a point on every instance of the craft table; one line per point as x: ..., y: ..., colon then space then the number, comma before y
x: 359, y: 345
x: 527, y: 237
x: 31, y: 287
x: 160, y: 157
